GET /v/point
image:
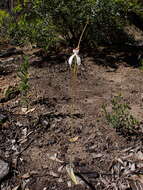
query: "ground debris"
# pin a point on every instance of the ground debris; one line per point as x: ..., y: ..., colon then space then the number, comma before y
x: 3, y: 118
x: 39, y: 138
x: 9, y: 52
x: 4, y: 169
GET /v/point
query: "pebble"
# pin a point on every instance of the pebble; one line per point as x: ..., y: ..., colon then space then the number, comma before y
x: 4, y: 169
x: 3, y: 118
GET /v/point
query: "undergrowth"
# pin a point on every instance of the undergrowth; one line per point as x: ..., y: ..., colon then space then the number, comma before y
x: 120, y: 117
x: 49, y: 24
x: 23, y: 75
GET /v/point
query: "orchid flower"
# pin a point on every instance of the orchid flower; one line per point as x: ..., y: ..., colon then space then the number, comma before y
x: 76, y: 56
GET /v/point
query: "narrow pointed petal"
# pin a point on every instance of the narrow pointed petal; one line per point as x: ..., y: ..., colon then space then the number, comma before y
x: 71, y: 59
x: 78, y: 60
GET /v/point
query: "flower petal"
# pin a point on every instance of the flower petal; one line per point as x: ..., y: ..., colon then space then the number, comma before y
x: 76, y: 51
x: 71, y: 59
x: 78, y: 59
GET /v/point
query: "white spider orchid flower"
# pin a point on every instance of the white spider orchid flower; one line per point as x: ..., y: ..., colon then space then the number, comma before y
x: 76, y: 56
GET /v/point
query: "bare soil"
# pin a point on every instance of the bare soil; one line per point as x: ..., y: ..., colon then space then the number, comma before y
x: 60, y: 112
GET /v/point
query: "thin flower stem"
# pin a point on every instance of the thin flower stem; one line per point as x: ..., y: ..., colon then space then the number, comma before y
x: 82, y: 35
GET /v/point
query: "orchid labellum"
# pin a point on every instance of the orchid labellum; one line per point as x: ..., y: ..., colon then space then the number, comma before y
x: 75, y: 57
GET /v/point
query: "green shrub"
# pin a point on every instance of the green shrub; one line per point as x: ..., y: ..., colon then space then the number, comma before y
x: 72, y: 16
x: 3, y: 14
x: 4, y: 25
x: 47, y: 23
x: 120, y: 117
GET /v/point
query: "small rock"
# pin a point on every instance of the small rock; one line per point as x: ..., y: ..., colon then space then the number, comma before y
x: 4, y: 169
x: 3, y: 118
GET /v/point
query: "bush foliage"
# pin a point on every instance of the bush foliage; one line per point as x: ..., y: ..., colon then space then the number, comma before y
x: 120, y: 117
x: 48, y: 23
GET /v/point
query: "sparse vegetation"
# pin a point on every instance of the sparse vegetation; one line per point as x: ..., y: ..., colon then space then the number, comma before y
x: 23, y: 75
x: 11, y: 92
x: 120, y: 117
x: 141, y: 64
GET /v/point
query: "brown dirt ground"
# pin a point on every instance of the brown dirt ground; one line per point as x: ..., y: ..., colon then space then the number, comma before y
x: 60, y: 113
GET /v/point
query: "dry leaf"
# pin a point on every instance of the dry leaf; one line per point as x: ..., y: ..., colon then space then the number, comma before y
x: 120, y: 161
x: 25, y: 176
x: 136, y: 182
x: 53, y: 174
x: 16, y: 188
x: 139, y: 156
x: 60, y: 168
x: 54, y: 157
x: 24, y: 110
x: 94, y: 155
x: 71, y: 174
x: 74, y: 139
x: 140, y: 178
x: 31, y: 110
